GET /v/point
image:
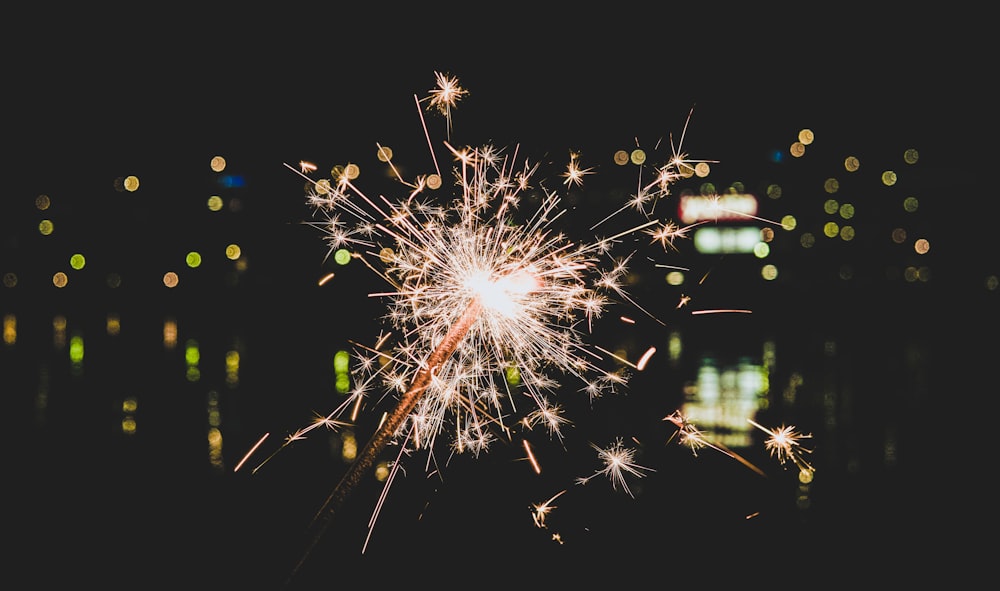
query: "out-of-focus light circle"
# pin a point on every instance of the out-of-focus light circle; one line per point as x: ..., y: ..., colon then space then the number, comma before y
x: 343, y: 383
x: 621, y: 157
x: 233, y: 252
x: 846, y: 211
x: 214, y: 203
x: 235, y: 204
x: 342, y: 256
x: 846, y: 272
x: 899, y: 235
x: 77, y: 261
x: 322, y: 186
x: 922, y: 246
x: 761, y: 250
x: 852, y: 164
x: 831, y: 229
x: 9, y: 279
x: 114, y: 280
x: 992, y: 282
x: 911, y: 156
x: 131, y: 183
x: 218, y: 164
x: 702, y: 169
x: 42, y: 202
x: 806, y: 136
x: 170, y: 279
x: 638, y: 156
x: 337, y: 172
x: 384, y: 154
x: 675, y: 278
x: 433, y: 181
x: 910, y: 204
x: 707, y: 188
x: 831, y: 206
x: 769, y: 272
x: 341, y: 361
x: 789, y: 222
x: 767, y: 234
x: 805, y: 476
x: 352, y: 171
x: 831, y: 185
x: 46, y: 227
x: 889, y: 178
x: 847, y: 233
x: 737, y: 187
x: 60, y: 279
x: 807, y: 240
x: 797, y: 149
x: 193, y: 259
x: 386, y: 254
x: 774, y: 191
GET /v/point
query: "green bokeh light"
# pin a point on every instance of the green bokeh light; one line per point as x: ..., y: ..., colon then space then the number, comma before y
x: 193, y: 259
x: 342, y: 256
x: 77, y: 261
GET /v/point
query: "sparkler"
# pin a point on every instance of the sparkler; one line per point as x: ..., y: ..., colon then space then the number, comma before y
x: 477, y: 298
x: 486, y: 307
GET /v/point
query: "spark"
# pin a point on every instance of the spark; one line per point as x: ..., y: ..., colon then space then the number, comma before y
x: 445, y: 96
x: 325, y: 279
x: 784, y: 443
x: 645, y: 358
x: 539, y: 511
x: 694, y: 439
x: 306, y: 167
x: 250, y: 453
x: 531, y: 457
x: 574, y: 174
x: 720, y: 311
x: 618, y: 461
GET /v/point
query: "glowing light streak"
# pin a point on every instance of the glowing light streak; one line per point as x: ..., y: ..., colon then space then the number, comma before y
x: 250, y: 453
x: 645, y: 358
x: 531, y: 457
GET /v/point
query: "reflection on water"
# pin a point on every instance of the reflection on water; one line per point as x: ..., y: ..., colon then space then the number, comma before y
x: 161, y: 410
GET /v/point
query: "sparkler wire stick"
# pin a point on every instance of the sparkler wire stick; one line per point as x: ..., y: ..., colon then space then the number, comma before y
x: 367, y: 456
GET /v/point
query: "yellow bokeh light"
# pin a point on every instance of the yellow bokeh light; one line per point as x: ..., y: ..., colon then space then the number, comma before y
x: 702, y: 169
x: 46, y: 227
x: 233, y: 252
x: 889, y: 178
x: 910, y: 204
x: 831, y: 206
x: 847, y: 233
x: 214, y: 203
x: 170, y: 279
x: 769, y: 272
x: 10, y: 279
x: 638, y: 156
x: 131, y: 183
x: 60, y: 279
x: 806, y: 136
x: 797, y: 149
x: 433, y: 181
x: 831, y: 185
x: 789, y: 222
x: 352, y: 171
x: 621, y: 157
x: 807, y: 240
x: 911, y: 156
x: 852, y: 164
x: 218, y: 164
x: 846, y: 211
x: 831, y: 229
x: 384, y: 154
x: 42, y: 202
x: 774, y: 191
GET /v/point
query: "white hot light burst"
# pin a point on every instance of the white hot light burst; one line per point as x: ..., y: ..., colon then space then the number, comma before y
x: 488, y: 309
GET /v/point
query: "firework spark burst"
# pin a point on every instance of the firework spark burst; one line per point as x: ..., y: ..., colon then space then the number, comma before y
x: 488, y: 310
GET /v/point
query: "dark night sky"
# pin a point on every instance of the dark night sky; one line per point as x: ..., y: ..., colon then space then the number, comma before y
x: 158, y: 94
